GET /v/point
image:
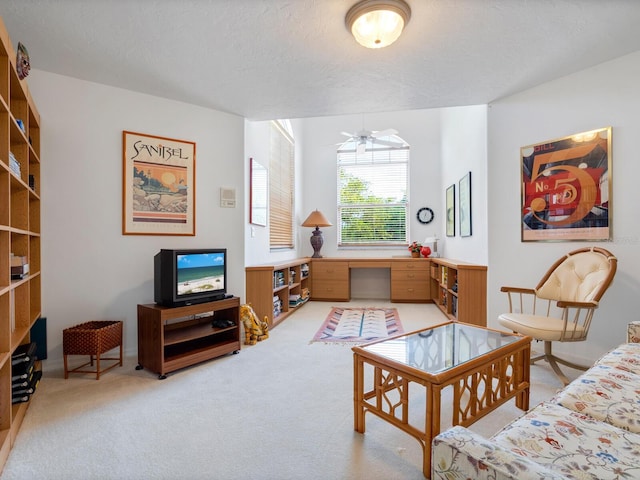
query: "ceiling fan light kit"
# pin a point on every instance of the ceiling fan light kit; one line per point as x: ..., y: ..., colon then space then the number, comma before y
x: 361, y: 139
x: 377, y: 23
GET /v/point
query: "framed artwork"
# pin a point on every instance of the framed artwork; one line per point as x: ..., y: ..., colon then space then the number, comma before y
x: 257, y: 193
x: 464, y: 201
x: 566, y: 188
x: 158, y: 185
x: 451, y: 210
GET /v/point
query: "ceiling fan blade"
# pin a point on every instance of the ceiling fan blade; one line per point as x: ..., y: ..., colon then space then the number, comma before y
x: 388, y: 143
x: 384, y: 133
x: 347, y: 134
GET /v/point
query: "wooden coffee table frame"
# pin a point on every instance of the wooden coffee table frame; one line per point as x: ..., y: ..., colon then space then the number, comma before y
x: 505, y: 370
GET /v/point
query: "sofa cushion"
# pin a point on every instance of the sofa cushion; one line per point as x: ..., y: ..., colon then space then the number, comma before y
x: 625, y: 357
x: 572, y: 444
x: 459, y: 453
x: 605, y: 393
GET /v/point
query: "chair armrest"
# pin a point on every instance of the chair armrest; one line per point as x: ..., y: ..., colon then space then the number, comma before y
x: 461, y: 453
x: 529, y: 291
x: 566, y: 304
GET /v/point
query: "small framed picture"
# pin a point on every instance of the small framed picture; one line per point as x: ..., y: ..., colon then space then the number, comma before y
x: 451, y: 210
x: 464, y: 201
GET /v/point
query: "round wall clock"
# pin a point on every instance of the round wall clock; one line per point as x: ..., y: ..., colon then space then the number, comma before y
x: 425, y: 215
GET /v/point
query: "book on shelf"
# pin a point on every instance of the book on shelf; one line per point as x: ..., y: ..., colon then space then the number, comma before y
x: 20, y: 399
x: 278, y: 278
x: 27, y: 387
x: 23, y: 368
x: 23, y: 353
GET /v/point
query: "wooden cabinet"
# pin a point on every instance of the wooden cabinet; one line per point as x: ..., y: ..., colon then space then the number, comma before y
x: 410, y: 280
x: 170, y: 338
x: 20, y: 290
x: 275, y: 291
x: 330, y: 280
x: 460, y: 290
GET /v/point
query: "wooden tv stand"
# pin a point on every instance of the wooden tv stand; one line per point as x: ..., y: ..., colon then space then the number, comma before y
x: 170, y: 338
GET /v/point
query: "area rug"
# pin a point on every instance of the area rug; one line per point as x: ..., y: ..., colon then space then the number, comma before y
x: 358, y: 325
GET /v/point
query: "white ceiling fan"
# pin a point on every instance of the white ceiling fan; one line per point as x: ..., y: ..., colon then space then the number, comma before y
x: 363, y: 136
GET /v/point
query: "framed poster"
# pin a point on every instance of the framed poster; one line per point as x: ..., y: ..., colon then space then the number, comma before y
x: 566, y: 188
x: 158, y: 185
x: 451, y: 211
x: 464, y: 201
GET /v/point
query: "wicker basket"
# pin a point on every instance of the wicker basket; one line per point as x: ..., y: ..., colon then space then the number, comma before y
x: 93, y: 339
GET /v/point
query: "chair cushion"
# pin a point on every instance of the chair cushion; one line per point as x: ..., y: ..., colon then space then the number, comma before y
x: 572, y: 444
x: 539, y: 326
x: 605, y: 393
x: 579, y: 278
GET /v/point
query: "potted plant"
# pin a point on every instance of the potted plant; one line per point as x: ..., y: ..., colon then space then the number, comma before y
x: 414, y: 248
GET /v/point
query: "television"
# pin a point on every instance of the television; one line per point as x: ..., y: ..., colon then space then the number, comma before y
x: 189, y: 276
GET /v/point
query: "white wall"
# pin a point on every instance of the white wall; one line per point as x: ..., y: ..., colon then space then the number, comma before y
x: 257, y: 142
x: 419, y: 128
x: 606, y: 95
x: 464, y: 149
x: 90, y: 271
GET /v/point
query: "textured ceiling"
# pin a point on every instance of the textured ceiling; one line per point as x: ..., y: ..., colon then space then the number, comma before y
x: 265, y: 59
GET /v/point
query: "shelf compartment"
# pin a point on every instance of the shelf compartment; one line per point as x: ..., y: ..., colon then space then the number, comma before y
x: 186, y: 354
x: 192, y: 330
x: 35, y: 295
x: 19, y: 215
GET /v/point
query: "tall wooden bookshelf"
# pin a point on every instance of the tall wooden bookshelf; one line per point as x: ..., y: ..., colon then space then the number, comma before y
x: 20, y: 298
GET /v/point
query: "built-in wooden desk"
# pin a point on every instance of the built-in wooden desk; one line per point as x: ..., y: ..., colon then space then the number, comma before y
x: 410, y: 280
x: 458, y: 289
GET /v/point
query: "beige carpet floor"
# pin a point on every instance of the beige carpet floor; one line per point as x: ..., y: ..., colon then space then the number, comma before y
x: 282, y: 409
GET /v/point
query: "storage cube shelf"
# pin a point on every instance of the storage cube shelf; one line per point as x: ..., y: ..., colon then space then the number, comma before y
x: 20, y: 294
x: 460, y: 290
x: 288, y: 289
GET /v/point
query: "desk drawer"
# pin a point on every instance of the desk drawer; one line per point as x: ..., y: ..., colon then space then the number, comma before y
x: 330, y: 270
x: 421, y: 276
x: 410, y: 291
x: 421, y: 265
x: 337, y: 291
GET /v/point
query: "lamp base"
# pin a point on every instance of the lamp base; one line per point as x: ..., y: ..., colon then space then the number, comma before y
x: 317, y: 240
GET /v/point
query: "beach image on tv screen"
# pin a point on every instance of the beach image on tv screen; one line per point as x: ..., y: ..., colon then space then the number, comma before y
x: 200, y: 272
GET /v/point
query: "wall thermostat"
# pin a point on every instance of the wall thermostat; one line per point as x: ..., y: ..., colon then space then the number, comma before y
x: 228, y: 197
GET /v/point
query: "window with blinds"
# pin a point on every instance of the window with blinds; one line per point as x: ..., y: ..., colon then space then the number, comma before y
x: 373, y: 195
x: 281, y: 186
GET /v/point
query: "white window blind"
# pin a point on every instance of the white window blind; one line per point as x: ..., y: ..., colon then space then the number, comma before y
x: 372, y: 196
x: 281, y: 178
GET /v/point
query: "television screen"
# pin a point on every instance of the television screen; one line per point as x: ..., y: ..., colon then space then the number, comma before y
x: 189, y: 276
x: 200, y: 272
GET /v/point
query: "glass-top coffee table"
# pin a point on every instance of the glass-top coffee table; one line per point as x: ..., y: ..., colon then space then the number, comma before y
x: 484, y: 367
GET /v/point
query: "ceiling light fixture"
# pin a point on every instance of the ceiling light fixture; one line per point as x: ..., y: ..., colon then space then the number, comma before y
x: 377, y: 23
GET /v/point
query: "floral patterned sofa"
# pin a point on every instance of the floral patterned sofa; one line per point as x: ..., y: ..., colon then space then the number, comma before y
x: 588, y: 430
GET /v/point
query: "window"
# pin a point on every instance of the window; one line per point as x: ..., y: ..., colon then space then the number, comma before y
x: 373, y: 193
x: 281, y: 178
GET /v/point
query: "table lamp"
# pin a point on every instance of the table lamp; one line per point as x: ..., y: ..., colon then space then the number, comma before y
x: 316, y: 219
